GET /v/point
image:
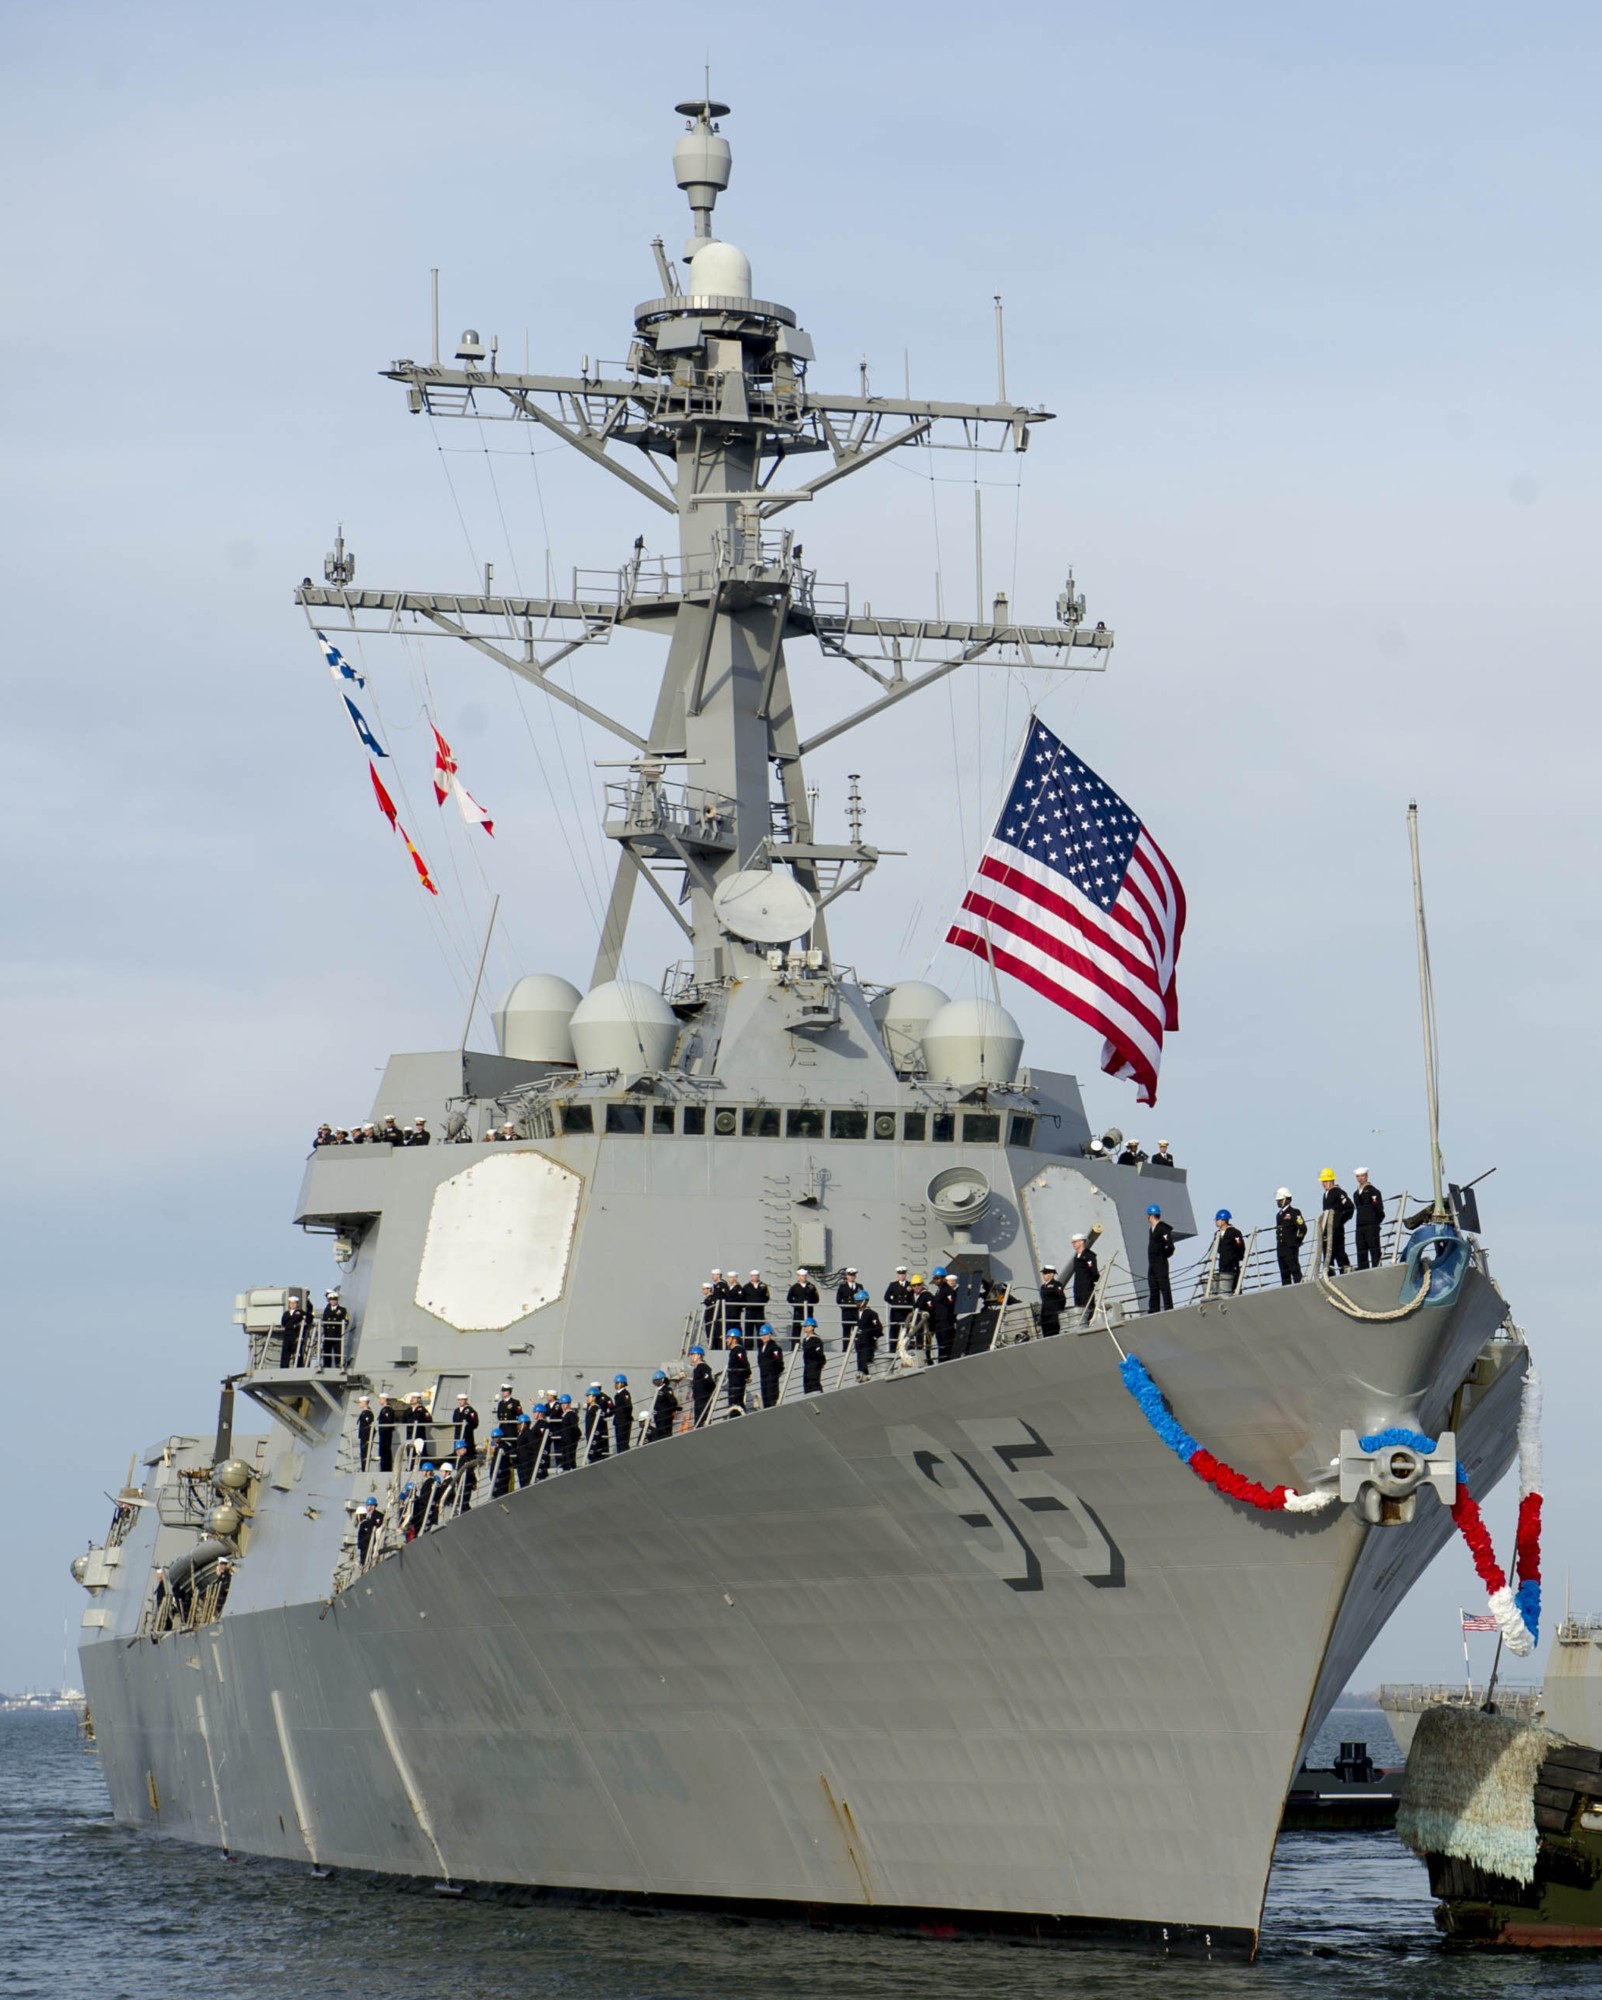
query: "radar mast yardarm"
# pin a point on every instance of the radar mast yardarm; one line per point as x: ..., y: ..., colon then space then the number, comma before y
x: 715, y: 401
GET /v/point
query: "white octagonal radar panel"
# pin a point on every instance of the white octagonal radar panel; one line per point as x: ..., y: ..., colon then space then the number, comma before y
x: 763, y: 906
x: 498, y: 1241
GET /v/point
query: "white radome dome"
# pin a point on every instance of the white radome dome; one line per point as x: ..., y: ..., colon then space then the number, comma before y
x: 903, y: 1013
x: 531, y: 1023
x: 719, y: 271
x: 624, y: 1025
x: 970, y: 1042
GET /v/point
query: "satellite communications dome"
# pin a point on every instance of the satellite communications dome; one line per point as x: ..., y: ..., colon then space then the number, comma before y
x: 531, y: 1023
x: 624, y: 1025
x: 719, y: 271
x: 970, y: 1042
x: 903, y: 1013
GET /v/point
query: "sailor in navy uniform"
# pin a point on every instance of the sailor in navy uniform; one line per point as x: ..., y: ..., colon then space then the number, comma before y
x: 1338, y: 1207
x: 737, y: 1372
x: 622, y: 1413
x: 663, y: 1410
x: 898, y: 1296
x: 1290, y: 1231
x: 1085, y: 1275
x: 703, y: 1383
x: 801, y: 1298
x: 1369, y: 1206
x: 770, y: 1367
x: 848, y: 1296
x: 1159, y: 1251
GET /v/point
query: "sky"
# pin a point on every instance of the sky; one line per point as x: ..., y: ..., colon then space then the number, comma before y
x: 1313, y: 295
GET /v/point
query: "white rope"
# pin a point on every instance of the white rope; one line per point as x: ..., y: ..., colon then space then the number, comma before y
x: 1331, y: 1291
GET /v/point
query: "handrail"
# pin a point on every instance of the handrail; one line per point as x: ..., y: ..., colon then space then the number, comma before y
x: 266, y: 1348
x: 1115, y: 1289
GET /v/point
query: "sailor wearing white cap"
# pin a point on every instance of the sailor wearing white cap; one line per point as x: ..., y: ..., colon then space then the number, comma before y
x: 801, y: 1298
x: 1369, y: 1205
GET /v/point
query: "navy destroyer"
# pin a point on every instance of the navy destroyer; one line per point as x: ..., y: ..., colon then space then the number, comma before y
x: 960, y: 1646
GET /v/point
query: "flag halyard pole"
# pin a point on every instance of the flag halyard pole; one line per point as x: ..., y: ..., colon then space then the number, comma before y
x: 1426, y: 1001
x: 478, y: 978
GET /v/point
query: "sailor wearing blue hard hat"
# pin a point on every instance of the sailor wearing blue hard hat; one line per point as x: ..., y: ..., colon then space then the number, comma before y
x: 1229, y: 1253
x: 664, y: 1409
x: 597, y: 1424
x: 1159, y: 1251
x: 368, y: 1523
x: 703, y: 1384
x: 812, y: 1359
x: 622, y: 1413
x: 770, y: 1367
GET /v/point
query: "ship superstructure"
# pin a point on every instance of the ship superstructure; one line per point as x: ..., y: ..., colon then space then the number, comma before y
x: 958, y: 1645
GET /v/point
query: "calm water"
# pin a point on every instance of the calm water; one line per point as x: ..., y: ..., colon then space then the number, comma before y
x: 88, y: 1910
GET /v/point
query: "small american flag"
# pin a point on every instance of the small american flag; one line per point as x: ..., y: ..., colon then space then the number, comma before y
x: 1477, y: 1621
x: 1078, y: 901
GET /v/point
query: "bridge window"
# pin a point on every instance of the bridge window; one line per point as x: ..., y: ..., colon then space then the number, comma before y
x: 661, y: 1117
x: 805, y: 1122
x: 761, y: 1121
x: 1021, y: 1131
x: 981, y: 1128
x: 577, y: 1118
x: 944, y: 1127
x: 693, y: 1123
x: 625, y: 1118
x: 848, y: 1124
x: 915, y: 1125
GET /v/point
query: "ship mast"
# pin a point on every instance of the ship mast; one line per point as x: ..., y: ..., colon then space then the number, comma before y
x: 712, y: 403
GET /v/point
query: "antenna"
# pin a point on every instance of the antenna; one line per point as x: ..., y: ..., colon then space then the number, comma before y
x: 478, y: 977
x: 434, y: 287
x: 854, y: 807
x: 1426, y: 1002
x: 664, y: 270
x: 339, y: 567
x: 1001, y: 355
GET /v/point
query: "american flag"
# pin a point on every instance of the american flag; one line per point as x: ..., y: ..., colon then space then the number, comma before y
x: 1077, y: 900
x: 1477, y: 1621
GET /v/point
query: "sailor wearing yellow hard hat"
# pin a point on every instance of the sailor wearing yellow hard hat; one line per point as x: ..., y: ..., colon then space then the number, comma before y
x: 1338, y: 1207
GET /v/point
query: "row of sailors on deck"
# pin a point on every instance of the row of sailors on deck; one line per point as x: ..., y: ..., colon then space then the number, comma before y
x: 953, y: 1314
x: 1133, y: 1154
x: 398, y: 1434
x: 524, y: 1446
x: 386, y: 1134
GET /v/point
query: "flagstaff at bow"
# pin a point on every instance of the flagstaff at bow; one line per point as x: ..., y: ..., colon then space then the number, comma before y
x: 1077, y: 900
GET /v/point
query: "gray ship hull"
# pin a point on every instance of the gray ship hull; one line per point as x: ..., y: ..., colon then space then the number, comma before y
x: 967, y: 1646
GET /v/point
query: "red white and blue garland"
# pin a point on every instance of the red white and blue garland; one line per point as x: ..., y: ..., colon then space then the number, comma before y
x: 1517, y: 1612
x: 1223, y: 1478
